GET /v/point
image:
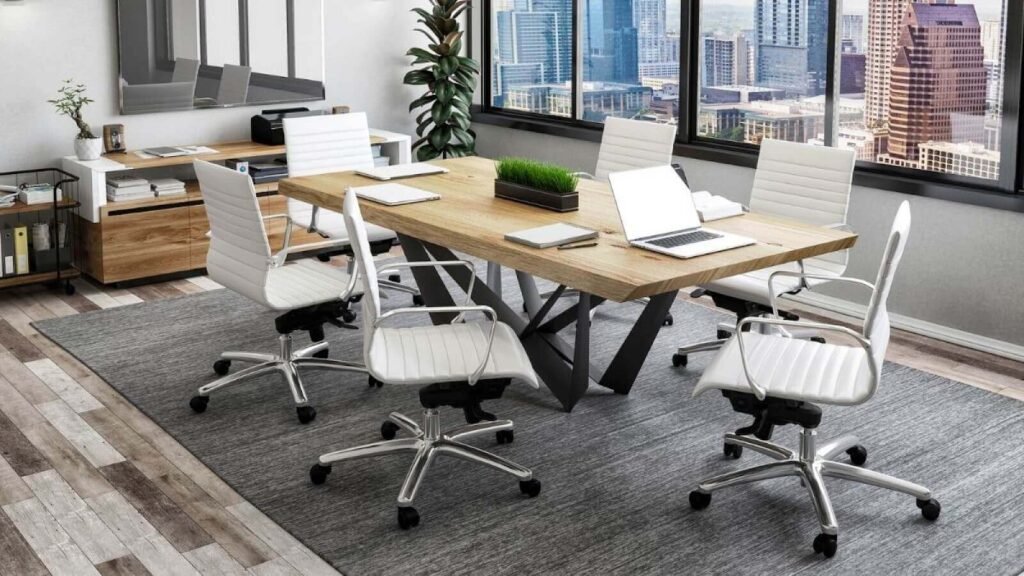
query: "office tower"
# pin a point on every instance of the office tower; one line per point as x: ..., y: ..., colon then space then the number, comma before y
x: 613, y: 42
x: 852, y: 68
x: 792, y: 37
x: 562, y: 10
x: 884, y: 20
x: 999, y: 71
x: 649, y: 21
x: 938, y: 80
x: 724, y: 60
x: 531, y: 38
x: 853, y: 33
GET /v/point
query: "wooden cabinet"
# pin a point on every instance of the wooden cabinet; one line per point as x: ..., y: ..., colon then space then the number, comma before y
x: 157, y: 237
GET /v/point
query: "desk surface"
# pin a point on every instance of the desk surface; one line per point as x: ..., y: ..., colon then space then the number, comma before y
x: 469, y: 219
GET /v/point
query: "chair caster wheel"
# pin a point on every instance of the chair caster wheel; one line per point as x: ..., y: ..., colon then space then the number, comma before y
x: 699, y: 500
x: 525, y: 310
x: 325, y: 353
x: 323, y: 257
x: 306, y: 414
x: 530, y: 487
x: 408, y: 518
x: 723, y: 334
x: 930, y: 509
x: 318, y: 473
x: 69, y: 288
x: 732, y: 451
x: 348, y: 316
x: 858, y: 455
x: 680, y: 360
x: 504, y: 436
x: 826, y: 544
x: 371, y: 382
x: 221, y: 367
x: 818, y: 339
x: 417, y: 300
x: 356, y: 299
x: 198, y: 403
x: 388, y: 430
x: 396, y: 278
x: 668, y: 321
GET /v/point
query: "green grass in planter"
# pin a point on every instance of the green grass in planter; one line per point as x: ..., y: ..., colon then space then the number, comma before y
x: 539, y: 175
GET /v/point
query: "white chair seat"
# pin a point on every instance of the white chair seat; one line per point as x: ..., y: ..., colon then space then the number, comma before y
x: 753, y: 286
x: 446, y: 353
x: 792, y: 369
x: 304, y: 283
x: 333, y: 225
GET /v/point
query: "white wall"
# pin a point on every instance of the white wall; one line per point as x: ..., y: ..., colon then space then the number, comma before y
x: 963, y: 268
x: 365, y: 58
x: 185, y: 29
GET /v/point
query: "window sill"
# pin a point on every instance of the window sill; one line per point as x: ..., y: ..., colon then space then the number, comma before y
x: 737, y: 156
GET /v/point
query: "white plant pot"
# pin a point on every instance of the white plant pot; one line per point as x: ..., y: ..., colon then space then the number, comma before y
x: 88, y: 148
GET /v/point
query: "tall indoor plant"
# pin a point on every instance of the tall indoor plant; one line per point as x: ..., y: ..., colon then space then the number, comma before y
x: 70, y: 100
x: 443, y: 127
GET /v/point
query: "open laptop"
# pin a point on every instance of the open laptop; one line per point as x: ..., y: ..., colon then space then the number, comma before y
x: 657, y: 214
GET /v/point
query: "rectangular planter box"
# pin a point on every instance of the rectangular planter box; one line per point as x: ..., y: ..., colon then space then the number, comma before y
x: 534, y: 197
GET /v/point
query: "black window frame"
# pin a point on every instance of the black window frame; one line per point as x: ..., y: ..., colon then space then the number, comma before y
x: 1005, y: 194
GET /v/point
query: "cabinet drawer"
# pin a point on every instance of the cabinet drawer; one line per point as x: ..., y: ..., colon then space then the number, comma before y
x: 145, y: 243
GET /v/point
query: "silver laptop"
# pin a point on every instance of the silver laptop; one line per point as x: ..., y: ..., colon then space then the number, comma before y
x: 657, y: 214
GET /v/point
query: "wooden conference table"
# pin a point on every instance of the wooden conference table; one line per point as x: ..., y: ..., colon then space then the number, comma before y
x: 469, y: 219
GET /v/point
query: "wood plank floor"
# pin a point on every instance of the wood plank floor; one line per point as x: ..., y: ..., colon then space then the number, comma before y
x: 89, y: 485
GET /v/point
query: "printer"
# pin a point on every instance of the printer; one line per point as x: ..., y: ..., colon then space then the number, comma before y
x: 267, y: 127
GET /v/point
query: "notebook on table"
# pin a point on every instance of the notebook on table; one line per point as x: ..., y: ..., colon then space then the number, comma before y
x: 402, y: 171
x: 551, y: 235
x: 394, y: 194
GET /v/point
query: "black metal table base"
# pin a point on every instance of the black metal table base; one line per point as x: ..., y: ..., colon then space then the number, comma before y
x: 564, y: 368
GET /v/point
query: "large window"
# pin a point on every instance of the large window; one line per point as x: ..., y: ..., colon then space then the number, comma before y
x: 917, y: 89
x: 627, y: 64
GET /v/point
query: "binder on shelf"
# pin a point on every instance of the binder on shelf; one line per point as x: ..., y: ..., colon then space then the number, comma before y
x: 7, y: 242
x: 2, y: 274
x: 21, y: 250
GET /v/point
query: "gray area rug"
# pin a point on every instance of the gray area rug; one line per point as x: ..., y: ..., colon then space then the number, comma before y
x: 616, y: 472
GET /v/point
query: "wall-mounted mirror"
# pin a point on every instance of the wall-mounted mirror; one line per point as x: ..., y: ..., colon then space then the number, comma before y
x: 187, y: 54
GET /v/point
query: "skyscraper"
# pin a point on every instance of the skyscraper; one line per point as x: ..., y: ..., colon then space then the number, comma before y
x: 938, y: 80
x: 531, y: 38
x: 791, y: 51
x: 724, y: 60
x: 649, y: 21
x: 613, y: 43
x: 562, y: 10
x: 853, y: 32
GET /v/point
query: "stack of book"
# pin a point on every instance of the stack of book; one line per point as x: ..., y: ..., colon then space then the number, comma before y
x: 128, y: 188
x: 164, y: 187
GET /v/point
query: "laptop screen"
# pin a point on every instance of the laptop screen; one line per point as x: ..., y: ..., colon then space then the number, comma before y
x: 653, y: 201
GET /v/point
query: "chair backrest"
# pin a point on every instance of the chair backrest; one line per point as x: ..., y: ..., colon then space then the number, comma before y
x: 185, y: 70
x: 876, y: 323
x: 807, y: 183
x: 323, y: 144
x: 365, y: 267
x: 239, y: 255
x: 632, y: 144
x: 234, y: 84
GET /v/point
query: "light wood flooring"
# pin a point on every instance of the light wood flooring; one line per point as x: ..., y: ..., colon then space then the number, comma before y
x: 89, y: 485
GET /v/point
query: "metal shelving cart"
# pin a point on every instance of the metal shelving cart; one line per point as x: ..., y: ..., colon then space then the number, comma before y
x: 56, y: 262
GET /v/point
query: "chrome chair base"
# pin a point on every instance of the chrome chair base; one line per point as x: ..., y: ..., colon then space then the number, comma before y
x: 428, y: 442
x: 286, y: 362
x: 812, y: 465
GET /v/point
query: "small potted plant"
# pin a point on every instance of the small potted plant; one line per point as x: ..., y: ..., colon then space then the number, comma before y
x: 537, y: 183
x: 69, y: 102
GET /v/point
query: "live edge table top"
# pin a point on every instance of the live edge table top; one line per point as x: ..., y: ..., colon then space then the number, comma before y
x: 469, y: 219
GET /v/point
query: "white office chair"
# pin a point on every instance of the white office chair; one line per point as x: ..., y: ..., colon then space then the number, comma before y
x: 629, y: 145
x: 780, y: 380
x: 457, y: 364
x: 318, y: 145
x: 308, y: 293
x: 798, y: 181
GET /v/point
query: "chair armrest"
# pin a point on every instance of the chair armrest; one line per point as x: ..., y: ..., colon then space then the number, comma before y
x: 584, y: 175
x: 843, y: 226
x: 805, y: 276
x: 280, y: 258
x: 442, y: 264
x: 487, y: 310
x: 759, y: 390
x: 287, y: 227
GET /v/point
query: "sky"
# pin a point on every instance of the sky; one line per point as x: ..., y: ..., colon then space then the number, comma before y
x: 987, y: 9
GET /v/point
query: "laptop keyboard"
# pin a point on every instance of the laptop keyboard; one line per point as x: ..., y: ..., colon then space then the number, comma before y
x: 684, y: 239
